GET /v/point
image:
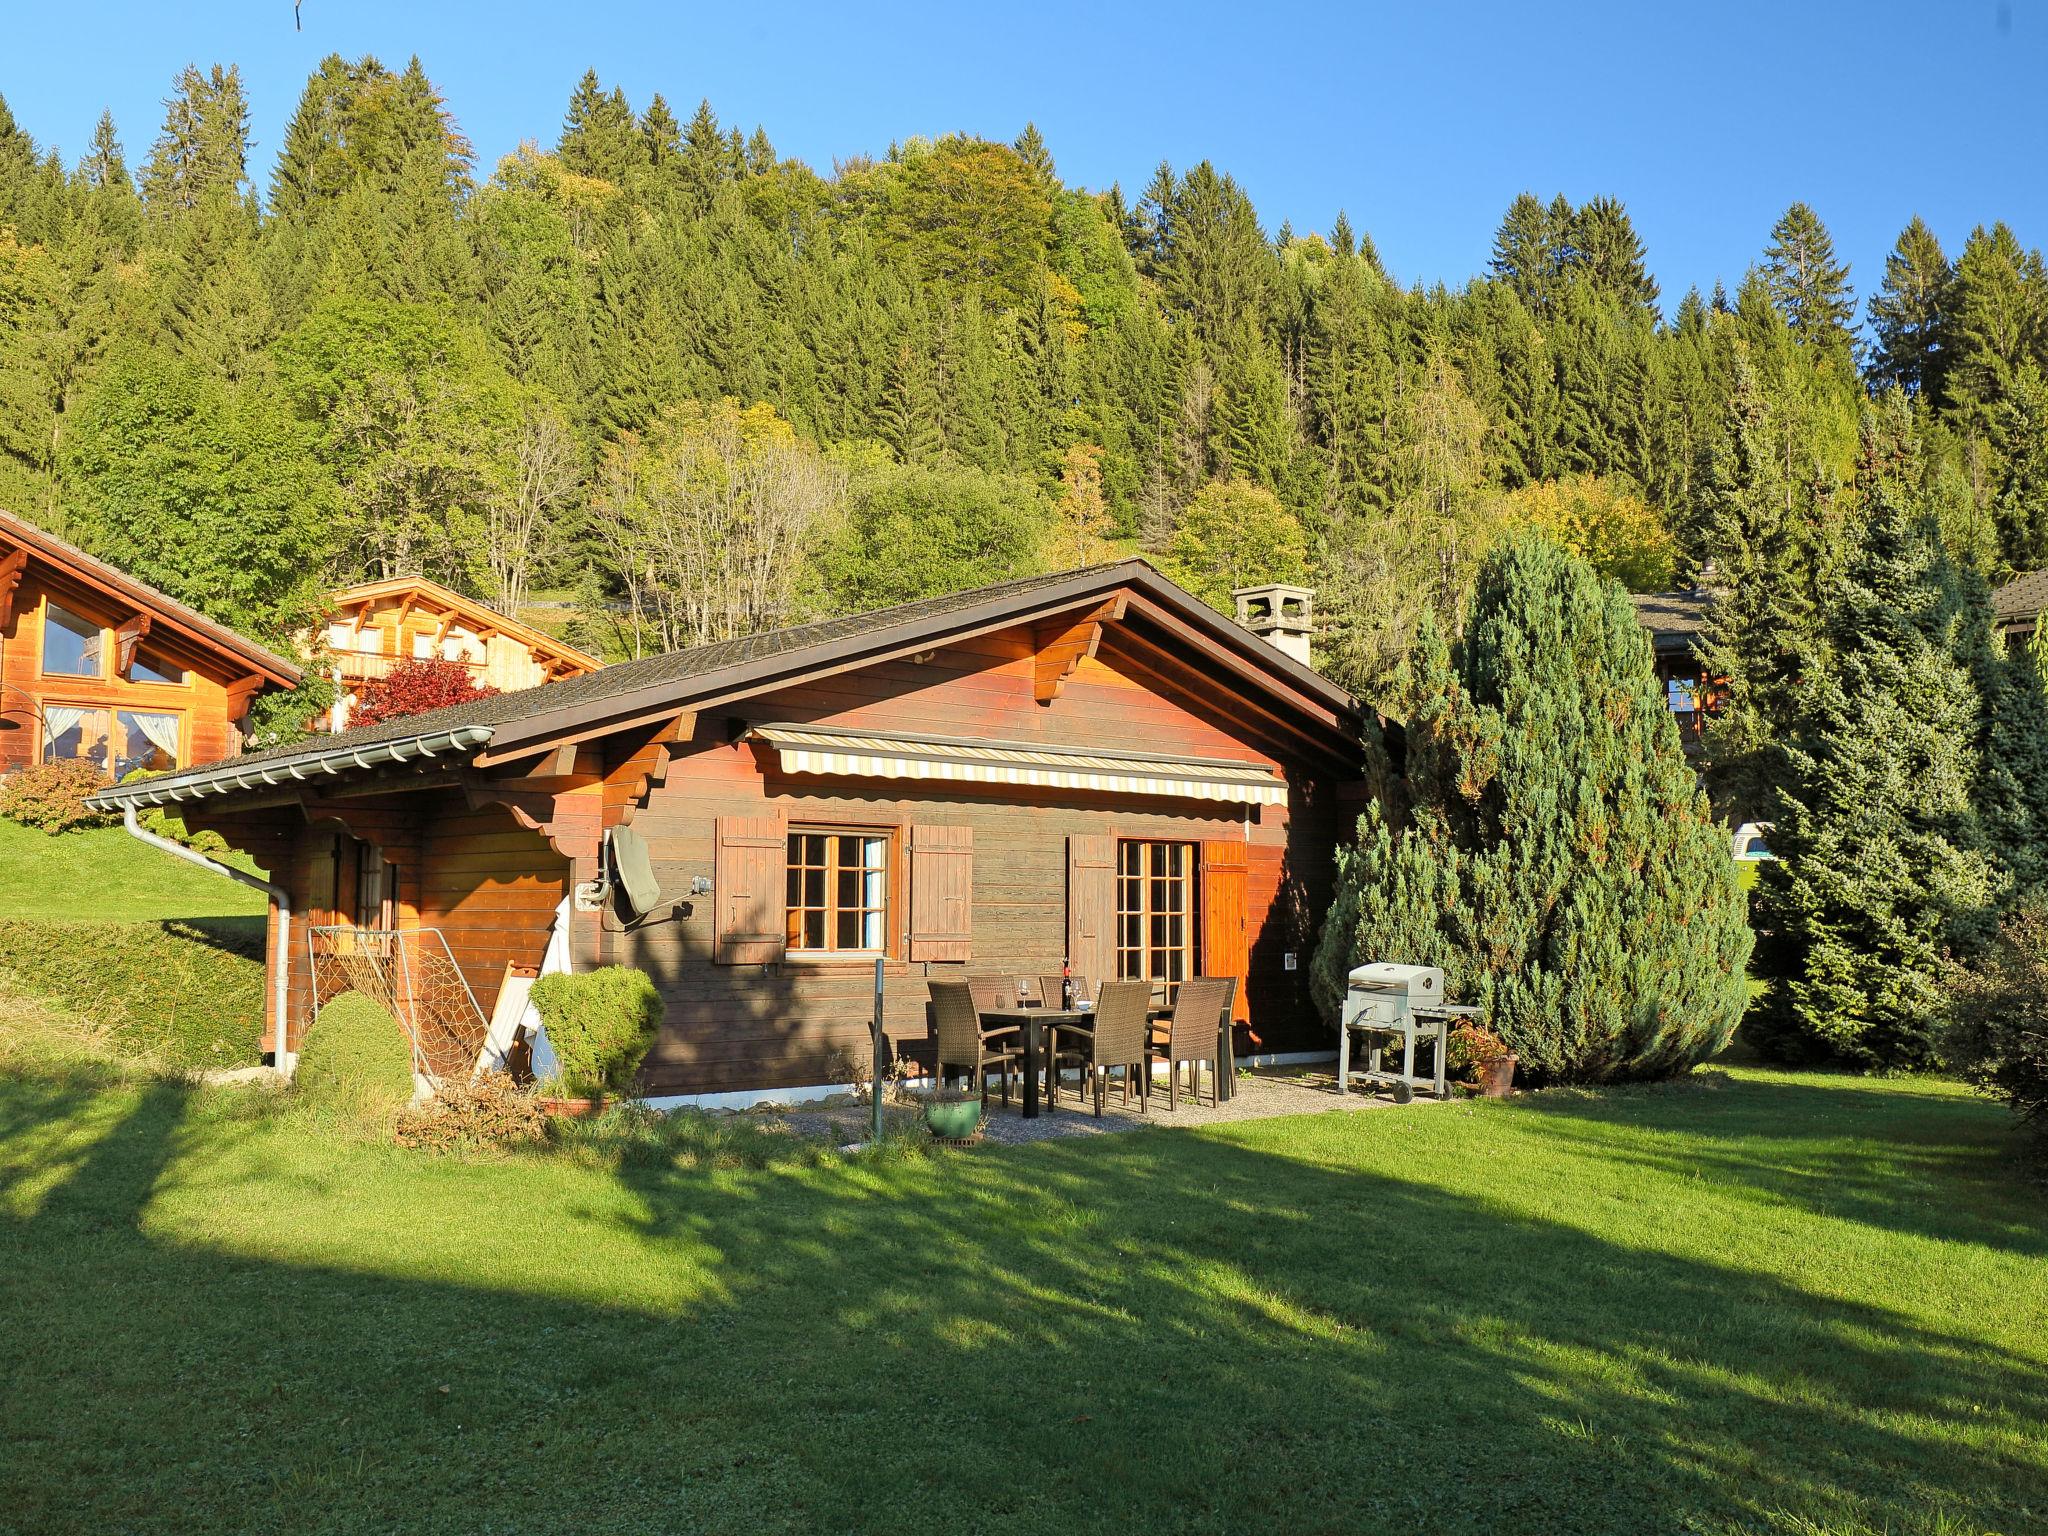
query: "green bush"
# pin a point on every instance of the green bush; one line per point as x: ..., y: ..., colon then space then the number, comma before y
x: 601, y: 1023
x: 355, y: 1062
x: 185, y: 993
x: 51, y: 796
x: 1556, y: 856
x: 1997, y: 1036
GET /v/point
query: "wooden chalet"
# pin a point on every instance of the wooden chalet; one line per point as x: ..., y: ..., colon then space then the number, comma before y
x: 97, y: 666
x: 375, y: 625
x: 1091, y: 766
x: 2016, y: 607
x: 1675, y: 623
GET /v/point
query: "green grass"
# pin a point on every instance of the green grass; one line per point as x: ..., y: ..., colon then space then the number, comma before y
x: 101, y: 874
x: 1761, y: 1303
x: 165, y: 959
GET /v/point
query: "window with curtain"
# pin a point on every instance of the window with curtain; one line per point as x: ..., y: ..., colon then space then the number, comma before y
x: 837, y: 896
x: 146, y: 741
x: 72, y: 647
x: 74, y: 732
x: 1155, y: 912
x: 149, y: 668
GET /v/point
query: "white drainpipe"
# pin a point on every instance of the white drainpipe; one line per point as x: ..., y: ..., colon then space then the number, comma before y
x: 278, y: 899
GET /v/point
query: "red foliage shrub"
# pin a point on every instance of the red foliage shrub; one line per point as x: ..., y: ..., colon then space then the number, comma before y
x: 413, y: 688
x: 52, y: 795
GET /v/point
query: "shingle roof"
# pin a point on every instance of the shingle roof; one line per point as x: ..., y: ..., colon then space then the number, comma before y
x: 2021, y: 600
x: 1675, y: 620
x: 60, y: 552
x: 676, y: 669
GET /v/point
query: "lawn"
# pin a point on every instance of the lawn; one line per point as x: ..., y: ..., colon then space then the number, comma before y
x: 101, y: 874
x: 165, y: 957
x: 1753, y: 1302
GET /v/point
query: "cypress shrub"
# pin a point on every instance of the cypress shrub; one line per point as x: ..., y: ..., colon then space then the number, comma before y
x: 1558, y: 857
x: 355, y: 1063
x: 601, y: 1024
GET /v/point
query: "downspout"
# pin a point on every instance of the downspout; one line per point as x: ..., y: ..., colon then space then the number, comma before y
x: 279, y: 899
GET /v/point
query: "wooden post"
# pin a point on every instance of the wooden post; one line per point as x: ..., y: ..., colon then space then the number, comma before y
x: 875, y: 1081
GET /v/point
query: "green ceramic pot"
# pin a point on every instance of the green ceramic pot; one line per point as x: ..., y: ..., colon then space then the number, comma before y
x: 952, y: 1119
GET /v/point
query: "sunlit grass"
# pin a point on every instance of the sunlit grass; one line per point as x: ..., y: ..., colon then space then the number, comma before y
x: 1758, y: 1302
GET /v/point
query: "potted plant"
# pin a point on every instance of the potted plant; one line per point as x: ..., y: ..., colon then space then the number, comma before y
x: 951, y: 1114
x: 1481, y: 1061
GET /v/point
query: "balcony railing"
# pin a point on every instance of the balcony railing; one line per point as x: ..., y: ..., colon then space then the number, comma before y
x: 358, y: 667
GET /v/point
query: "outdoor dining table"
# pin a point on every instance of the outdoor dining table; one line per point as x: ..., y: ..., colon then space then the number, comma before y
x: 1034, y: 1022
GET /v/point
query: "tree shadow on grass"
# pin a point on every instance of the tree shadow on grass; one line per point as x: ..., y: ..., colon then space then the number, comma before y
x: 1148, y: 1332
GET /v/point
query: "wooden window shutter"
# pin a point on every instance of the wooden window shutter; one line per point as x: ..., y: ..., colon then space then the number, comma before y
x: 1091, y: 906
x: 747, y: 890
x: 941, y: 893
x: 1225, y: 942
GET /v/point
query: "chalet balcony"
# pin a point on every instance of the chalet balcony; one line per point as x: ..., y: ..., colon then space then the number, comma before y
x: 358, y: 667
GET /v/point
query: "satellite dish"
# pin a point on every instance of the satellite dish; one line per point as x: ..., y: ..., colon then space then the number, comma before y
x: 633, y: 882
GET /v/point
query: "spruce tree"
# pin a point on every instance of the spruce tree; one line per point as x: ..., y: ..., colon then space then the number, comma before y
x: 1909, y: 312
x: 1809, y: 286
x: 1881, y: 861
x: 1559, y: 859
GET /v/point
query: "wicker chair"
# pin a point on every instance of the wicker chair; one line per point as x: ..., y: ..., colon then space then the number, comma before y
x: 994, y: 994
x: 1193, y: 1035
x: 965, y: 1045
x: 1049, y: 988
x: 1114, y: 1038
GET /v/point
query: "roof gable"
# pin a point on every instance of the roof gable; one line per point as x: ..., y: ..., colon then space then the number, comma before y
x: 21, y: 538
x: 507, y: 727
x: 435, y: 598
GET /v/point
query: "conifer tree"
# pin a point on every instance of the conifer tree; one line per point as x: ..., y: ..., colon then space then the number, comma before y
x: 204, y: 145
x: 1881, y: 861
x: 1559, y: 859
x: 104, y: 166
x: 1809, y: 286
x: 1909, y: 313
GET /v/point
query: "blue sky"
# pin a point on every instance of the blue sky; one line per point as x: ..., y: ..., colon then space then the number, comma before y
x: 1422, y: 121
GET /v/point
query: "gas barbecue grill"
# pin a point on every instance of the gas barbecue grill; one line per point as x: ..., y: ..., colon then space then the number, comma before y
x: 1402, y: 1001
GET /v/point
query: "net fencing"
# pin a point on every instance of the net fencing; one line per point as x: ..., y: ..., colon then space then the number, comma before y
x: 412, y: 975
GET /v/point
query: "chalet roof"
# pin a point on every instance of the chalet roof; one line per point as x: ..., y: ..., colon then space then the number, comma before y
x: 15, y: 533
x: 1675, y: 620
x: 477, y: 614
x: 2018, y: 604
x: 645, y: 688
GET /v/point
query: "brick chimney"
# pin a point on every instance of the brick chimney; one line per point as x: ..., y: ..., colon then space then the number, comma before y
x: 1279, y: 614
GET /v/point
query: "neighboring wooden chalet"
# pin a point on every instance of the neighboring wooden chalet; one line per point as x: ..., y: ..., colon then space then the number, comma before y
x: 98, y: 666
x: 1675, y: 622
x: 2016, y: 606
x: 1090, y: 766
x: 377, y: 624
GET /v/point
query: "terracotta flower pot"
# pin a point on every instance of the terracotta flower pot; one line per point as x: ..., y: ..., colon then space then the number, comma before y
x: 1496, y: 1077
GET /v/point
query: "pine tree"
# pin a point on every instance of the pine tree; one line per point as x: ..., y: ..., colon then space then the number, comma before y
x: 1881, y: 864
x: 2000, y: 309
x: 1559, y: 859
x: 1525, y: 252
x: 1607, y: 253
x: 1808, y: 285
x: 1909, y: 313
x: 1030, y: 147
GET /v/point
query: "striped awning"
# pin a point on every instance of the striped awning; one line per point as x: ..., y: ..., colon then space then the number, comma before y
x: 805, y: 749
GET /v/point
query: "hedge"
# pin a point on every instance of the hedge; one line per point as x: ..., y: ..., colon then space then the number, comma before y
x: 187, y: 992
x: 601, y: 1023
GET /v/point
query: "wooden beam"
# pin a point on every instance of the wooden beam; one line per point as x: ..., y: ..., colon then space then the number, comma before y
x: 11, y: 567
x: 126, y: 639
x: 1063, y: 644
x: 240, y: 692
